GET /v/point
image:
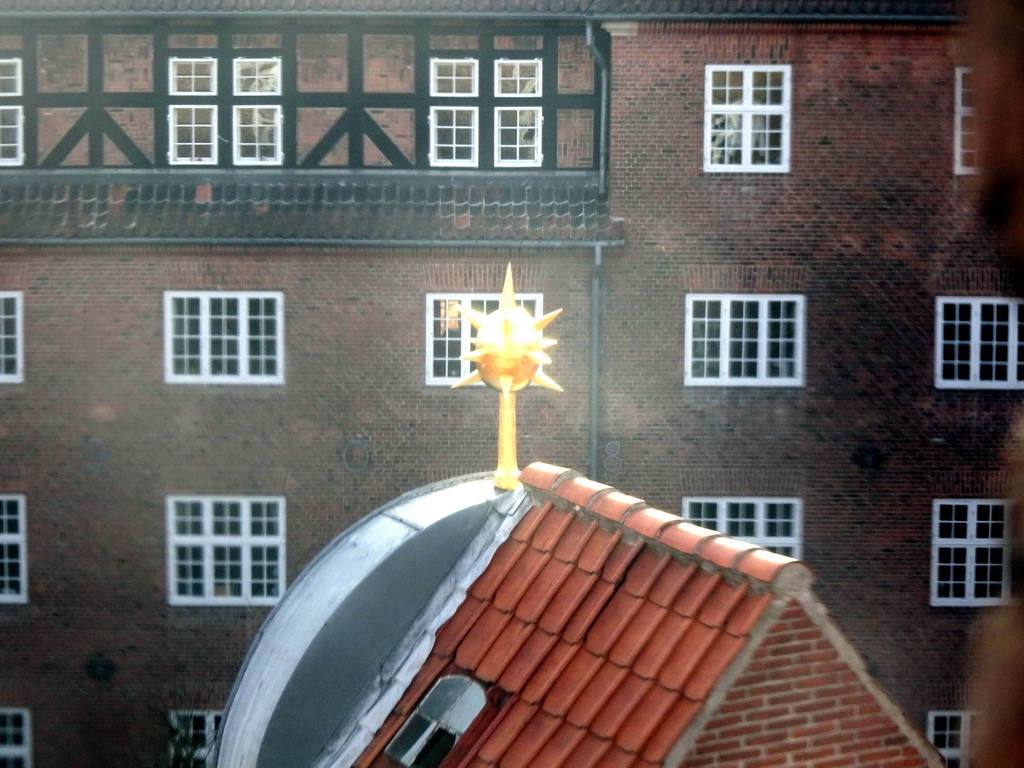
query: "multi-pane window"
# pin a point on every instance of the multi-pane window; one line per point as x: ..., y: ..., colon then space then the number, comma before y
x: 454, y: 128
x: 970, y: 552
x: 11, y: 367
x: 964, y: 139
x: 949, y: 731
x: 13, y: 559
x: 12, y: 116
x: 224, y: 338
x: 192, y: 735
x: 774, y: 524
x: 225, y: 551
x: 744, y: 340
x: 517, y: 78
x: 450, y: 335
x: 746, y: 118
x: 257, y: 139
x: 435, y: 726
x: 454, y: 77
x: 979, y: 343
x: 193, y: 132
x: 517, y: 132
x: 193, y: 77
x: 15, y: 738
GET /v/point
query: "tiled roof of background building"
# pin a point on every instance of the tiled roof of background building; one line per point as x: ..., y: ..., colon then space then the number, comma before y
x: 724, y: 9
x: 364, y: 211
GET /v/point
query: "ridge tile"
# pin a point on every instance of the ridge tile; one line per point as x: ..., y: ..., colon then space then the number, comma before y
x: 545, y: 476
x: 581, y: 490
x: 616, y: 505
x: 649, y: 521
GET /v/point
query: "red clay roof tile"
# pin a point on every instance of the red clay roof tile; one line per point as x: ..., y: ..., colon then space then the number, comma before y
x: 655, y: 705
x: 686, y: 537
x: 523, y: 531
x: 720, y: 603
x: 724, y: 551
x: 588, y: 611
x: 616, y: 505
x: 744, y: 617
x: 649, y: 522
x: 560, y: 745
x: 478, y: 640
x: 504, y: 558
x: 696, y: 591
x: 532, y: 652
x: 637, y: 633
x: 621, y: 706
x: 602, y: 685
x: 574, y: 539
x: 713, y: 664
x: 617, y: 758
x: 689, y: 651
x: 529, y: 565
x: 542, y: 590
x: 597, y: 550
x: 567, y: 600
x: 614, y: 619
x: 531, y: 739
x: 432, y: 669
x: 545, y: 476
x: 620, y: 558
x: 510, y: 724
x: 644, y: 571
x: 581, y: 491
x: 667, y: 732
x: 659, y: 647
x: 588, y: 751
x: 504, y: 648
x: 549, y: 531
x: 457, y: 627
x: 548, y: 671
x: 571, y: 682
x: 762, y: 565
x: 670, y: 582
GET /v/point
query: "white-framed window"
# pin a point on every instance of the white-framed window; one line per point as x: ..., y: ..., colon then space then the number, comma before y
x: 11, y: 346
x: 453, y: 136
x: 225, y: 550
x: 435, y: 726
x: 12, y: 135
x: 964, y: 139
x: 219, y: 337
x: 454, y: 77
x: 772, y: 523
x: 10, y: 77
x: 261, y: 76
x: 744, y: 340
x: 450, y: 335
x: 192, y: 734
x: 970, y: 552
x: 257, y: 139
x: 979, y: 343
x: 949, y: 731
x: 13, y: 550
x: 517, y: 133
x: 518, y: 78
x: 746, y: 118
x: 193, y: 132
x: 15, y: 738
x: 193, y: 77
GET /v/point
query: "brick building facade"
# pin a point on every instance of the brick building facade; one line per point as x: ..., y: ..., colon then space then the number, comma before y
x: 229, y: 238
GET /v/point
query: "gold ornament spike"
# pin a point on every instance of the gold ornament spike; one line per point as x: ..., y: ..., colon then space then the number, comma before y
x: 508, y: 356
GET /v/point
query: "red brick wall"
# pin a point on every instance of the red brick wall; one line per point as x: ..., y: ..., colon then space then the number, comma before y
x: 870, y: 225
x: 798, y: 702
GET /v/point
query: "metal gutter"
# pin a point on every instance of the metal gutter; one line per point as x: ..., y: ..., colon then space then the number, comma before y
x: 605, y: 116
x: 320, y: 242
x: 595, y: 359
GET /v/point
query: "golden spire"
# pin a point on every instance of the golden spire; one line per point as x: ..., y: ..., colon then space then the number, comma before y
x: 508, y: 355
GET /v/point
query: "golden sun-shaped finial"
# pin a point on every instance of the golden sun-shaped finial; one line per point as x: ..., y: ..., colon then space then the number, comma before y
x: 508, y: 355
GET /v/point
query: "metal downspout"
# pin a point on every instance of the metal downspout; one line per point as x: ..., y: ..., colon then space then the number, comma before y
x: 595, y: 357
x: 602, y: 141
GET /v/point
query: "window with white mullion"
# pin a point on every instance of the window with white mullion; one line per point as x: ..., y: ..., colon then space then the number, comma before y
x: 192, y: 77
x: 964, y: 138
x: 10, y: 78
x: 193, y: 134
x: 450, y: 335
x: 970, y: 552
x: 13, y: 556
x: 744, y: 340
x: 949, y: 731
x: 517, y: 132
x: 225, y: 551
x: 15, y: 738
x: 454, y: 136
x: 257, y: 134
x: 12, y: 135
x: 11, y: 341
x: 193, y: 732
x: 979, y: 343
x: 747, y: 118
x: 773, y: 523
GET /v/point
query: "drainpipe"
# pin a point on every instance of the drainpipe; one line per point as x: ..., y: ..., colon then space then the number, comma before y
x: 603, y: 117
x: 595, y: 357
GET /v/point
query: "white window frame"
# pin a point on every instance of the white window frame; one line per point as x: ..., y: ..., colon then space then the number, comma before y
x: 438, y: 711
x: 238, y: 127
x: 764, y: 376
x: 174, y: 76
x: 461, y: 330
x: 174, y: 154
x: 518, y: 65
x: 519, y: 147
x: 792, y: 543
x: 977, y: 327
x: 19, y: 135
x: 439, y: 84
x: 206, y: 540
x: 15, y: 77
x: 971, y: 543
x: 15, y: 338
x: 435, y: 144
x: 23, y: 750
x: 203, y: 753
x: 241, y: 79
x: 745, y: 111
x: 956, y: 755
x: 963, y: 124
x: 204, y: 337
x: 17, y: 541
